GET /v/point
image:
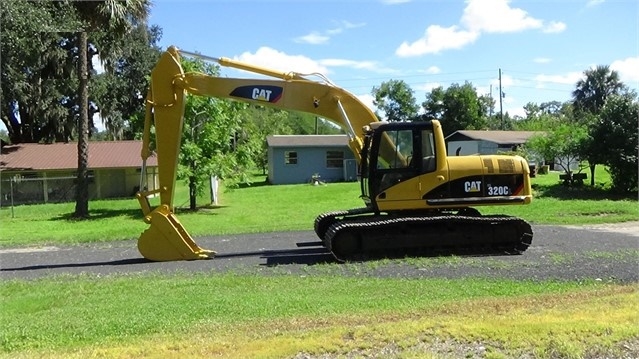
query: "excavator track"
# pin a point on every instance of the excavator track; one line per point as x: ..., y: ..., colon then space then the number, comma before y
x: 372, y: 236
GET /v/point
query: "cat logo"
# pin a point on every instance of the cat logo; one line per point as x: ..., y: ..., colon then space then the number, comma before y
x: 261, y: 94
x: 472, y: 186
x: 265, y: 93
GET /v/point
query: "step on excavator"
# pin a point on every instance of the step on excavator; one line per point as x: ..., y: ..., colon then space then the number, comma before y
x: 416, y: 198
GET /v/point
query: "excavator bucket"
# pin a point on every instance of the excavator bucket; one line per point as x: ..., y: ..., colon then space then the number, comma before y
x: 167, y: 240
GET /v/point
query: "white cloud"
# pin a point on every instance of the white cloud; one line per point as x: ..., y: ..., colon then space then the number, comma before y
x: 569, y: 78
x: 318, y: 38
x: 394, y: 2
x: 437, y: 39
x: 483, y: 90
x: 367, y: 99
x: 479, y: 16
x: 494, y: 16
x: 433, y: 70
x: 593, y: 3
x: 359, y: 65
x: 314, y: 38
x: 507, y: 80
x: 271, y: 58
x: 542, y: 60
x: 554, y: 27
x: 515, y: 111
x: 628, y: 70
x: 427, y: 87
x: 344, y: 25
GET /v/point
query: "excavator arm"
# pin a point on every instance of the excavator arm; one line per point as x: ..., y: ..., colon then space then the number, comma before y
x: 166, y: 238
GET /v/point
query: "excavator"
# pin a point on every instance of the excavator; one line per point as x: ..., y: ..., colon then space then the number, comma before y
x: 416, y: 198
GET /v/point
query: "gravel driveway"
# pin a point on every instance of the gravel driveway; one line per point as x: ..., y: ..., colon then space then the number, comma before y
x: 602, y: 252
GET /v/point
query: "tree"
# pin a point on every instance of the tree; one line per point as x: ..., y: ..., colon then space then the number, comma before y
x: 616, y: 136
x: 561, y: 144
x: 589, y: 97
x: 593, y: 90
x: 545, y: 116
x: 263, y: 122
x: 117, y: 18
x: 37, y: 70
x: 457, y: 108
x: 119, y: 94
x: 215, y: 139
x: 395, y: 98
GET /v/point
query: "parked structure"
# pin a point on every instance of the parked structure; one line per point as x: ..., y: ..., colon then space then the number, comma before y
x: 42, y: 173
x: 300, y: 158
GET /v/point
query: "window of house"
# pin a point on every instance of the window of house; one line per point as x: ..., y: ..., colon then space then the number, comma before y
x: 334, y: 159
x: 290, y: 157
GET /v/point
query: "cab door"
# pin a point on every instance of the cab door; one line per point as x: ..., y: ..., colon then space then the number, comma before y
x: 403, y: 161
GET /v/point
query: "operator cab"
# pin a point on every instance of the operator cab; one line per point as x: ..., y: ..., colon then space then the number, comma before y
x: 394, y: 153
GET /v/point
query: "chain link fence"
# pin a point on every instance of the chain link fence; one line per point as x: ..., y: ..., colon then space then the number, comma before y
x: 34, y: 188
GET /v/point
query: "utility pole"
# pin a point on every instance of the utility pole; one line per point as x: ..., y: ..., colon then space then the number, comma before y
x: 501, y: 108
x: 491, y: 101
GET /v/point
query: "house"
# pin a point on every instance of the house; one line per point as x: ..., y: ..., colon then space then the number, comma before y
x: 43, y: 173
x: 297, y: 158
x: 469, y: 142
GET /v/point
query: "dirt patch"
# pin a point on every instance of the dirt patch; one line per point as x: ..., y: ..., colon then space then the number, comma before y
x: 629, y: 228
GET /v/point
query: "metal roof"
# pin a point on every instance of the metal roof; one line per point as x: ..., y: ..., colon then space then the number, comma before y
x: 307, y: 140
x: 64, y: 156
x: 499, y: 137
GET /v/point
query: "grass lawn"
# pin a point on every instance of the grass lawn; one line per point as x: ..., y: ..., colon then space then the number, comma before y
x: 253, y: 316
x: 235, y: 315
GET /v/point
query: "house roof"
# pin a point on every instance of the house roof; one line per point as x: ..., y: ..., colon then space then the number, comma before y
x: 307, y: 140
x: 64, y: 156
x: 499, y: 137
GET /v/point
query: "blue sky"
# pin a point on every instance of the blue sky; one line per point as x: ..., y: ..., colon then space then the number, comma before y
x: 542, y: 47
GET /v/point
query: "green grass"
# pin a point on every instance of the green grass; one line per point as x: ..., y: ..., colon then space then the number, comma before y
x: 264, y: 208
x: 237, y: 315
x: 65, y: 314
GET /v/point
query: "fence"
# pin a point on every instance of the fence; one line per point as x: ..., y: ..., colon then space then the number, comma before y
x: 33, y: 188
x: 19, y: 190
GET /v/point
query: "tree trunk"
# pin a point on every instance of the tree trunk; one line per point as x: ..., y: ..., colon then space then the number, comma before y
x: 192, y: 193
x: 82, y: 185
x: 592, y: 175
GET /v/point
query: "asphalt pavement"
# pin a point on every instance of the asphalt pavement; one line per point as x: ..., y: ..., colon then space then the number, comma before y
x: 603, y: 253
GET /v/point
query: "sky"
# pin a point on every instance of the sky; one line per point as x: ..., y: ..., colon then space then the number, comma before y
x: 542, y: 47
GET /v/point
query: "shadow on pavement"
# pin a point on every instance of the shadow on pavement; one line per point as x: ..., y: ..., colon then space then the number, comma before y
x: 307, y: 256
x: 78, y: 265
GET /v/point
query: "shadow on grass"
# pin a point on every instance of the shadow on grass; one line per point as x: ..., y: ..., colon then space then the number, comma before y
x: 205, y: 209
x: 583, y: 192
x: 253, y: 184
x: 98, y: 214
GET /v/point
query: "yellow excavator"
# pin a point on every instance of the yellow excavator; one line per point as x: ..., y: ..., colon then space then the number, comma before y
x: 417, y: 199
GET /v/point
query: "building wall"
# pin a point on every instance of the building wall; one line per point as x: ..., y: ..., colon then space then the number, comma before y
x: 475, y: 147
x: 310, y: 160
x: 31, y: 187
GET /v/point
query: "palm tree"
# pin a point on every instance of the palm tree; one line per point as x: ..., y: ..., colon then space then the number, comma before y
x: 116, y: 17
x: 589, y: 97
x: 597, y: 85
